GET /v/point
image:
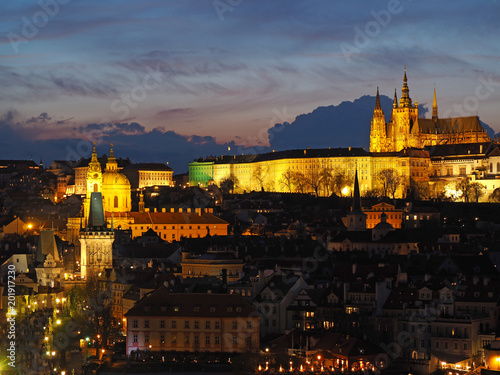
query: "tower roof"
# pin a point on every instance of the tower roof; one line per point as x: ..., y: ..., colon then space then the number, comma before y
x: 377, y: 101
x: 434, y: 106
x: 47, y: 245
x: 96, y: 212
x: 405, y: 100
x: 356, y: 202
x: 395, y: 102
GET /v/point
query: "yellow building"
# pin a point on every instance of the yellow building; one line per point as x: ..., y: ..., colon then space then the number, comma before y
x: 171, y: 226
x: 406, y: 129
x: 311, y: 170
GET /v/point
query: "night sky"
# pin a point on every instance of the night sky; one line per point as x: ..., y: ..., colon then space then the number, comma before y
x: 227, y: 70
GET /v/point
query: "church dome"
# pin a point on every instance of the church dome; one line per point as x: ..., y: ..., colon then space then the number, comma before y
x: 114, y: 179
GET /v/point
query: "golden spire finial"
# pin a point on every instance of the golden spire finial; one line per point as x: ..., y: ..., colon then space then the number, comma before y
x: 434, y: 106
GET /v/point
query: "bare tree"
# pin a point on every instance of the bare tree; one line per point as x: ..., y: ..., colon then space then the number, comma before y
x: 299, y: 181
x: 471, y: 191
x: 326, y: 178
x: 287, y: 180
x: 313, y: 179
x: 259, y: 175
x: 389, y: 180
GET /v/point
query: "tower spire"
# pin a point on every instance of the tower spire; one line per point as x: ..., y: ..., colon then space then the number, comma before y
x: 377, y: 101
x: 356, y: 203
x: 434, y: 106
x: 405, y: 100
x: 395, y: 102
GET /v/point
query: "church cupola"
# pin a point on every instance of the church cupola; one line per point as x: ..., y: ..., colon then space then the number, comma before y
x: 111, y: 165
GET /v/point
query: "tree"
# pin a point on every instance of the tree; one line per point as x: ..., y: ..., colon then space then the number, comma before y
x: 299, y: 182
x: 419, y: 190
x: 229, y: 183
x: 313, y: 179
x: 326, y: 178
x: 259, y: 175
x: 389, y: 180
x: 340, y: 180
x: 495, y: 196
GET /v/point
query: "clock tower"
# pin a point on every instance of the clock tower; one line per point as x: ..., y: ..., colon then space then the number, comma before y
x: 94, y: 181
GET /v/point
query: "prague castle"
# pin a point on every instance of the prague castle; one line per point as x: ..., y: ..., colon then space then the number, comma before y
x: 417, y: 149
x: 406, y: 129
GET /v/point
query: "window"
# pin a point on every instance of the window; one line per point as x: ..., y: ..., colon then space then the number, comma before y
x: 135, y: 324
x: 217, y: 325
x: 196, y: 339
x: 162, y: 339
x: 146, y: 324
x: 162, y: 324
x: 174, y: 339
x: 249, y: 325
x: 235, y: 325
x: 174, y: 324
x: 116, y: 202
x: 135, y: 338
x: 186, y: 324
x: 196, y: 324
x: 146, y: 338
x: 217, y: 340
x: 207, y: 340
x: 437, y: 345
x: 186, y: 339
x: 207, y: 325
x: 235, y: 340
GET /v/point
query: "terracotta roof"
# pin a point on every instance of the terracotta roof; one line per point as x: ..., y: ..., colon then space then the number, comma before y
x: 176, y: 218
x: 162, y: 302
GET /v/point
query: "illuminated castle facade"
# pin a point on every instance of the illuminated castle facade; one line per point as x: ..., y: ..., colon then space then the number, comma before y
x: 417, y: 149
x: 406, y: 129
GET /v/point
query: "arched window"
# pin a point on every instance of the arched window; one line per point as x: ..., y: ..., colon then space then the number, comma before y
x: 491, y: 167
x: 116, y: 202
x: 498, y: 167
x: 96, y: 188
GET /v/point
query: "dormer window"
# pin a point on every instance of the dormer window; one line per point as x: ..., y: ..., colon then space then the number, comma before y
x: 229, y: 309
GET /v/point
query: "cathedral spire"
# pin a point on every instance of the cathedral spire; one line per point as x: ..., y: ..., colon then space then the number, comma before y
x: 377, y: 101
x: 434, y: 106
x: 395, y: 102
x: 405, y: 100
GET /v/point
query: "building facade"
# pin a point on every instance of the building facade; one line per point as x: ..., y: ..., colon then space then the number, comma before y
x: 406, y: 129
x: 192, y: 322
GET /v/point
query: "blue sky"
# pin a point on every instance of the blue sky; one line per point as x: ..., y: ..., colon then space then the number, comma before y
x: 225, y: 68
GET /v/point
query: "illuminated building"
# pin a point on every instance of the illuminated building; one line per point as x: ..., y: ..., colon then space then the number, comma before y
x: 49, y: 266
x: 143, y: 175
x: 192, y: 322
x: 96, y: 240
x: 171, y: 226
x: 275, y: 171
x: 406, y: 129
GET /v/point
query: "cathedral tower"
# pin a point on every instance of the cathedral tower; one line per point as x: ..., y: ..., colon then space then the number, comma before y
x: 403, y: 118
x: 378, y: 132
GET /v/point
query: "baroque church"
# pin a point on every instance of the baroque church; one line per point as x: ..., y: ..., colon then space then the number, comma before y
x: 406, y: 129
